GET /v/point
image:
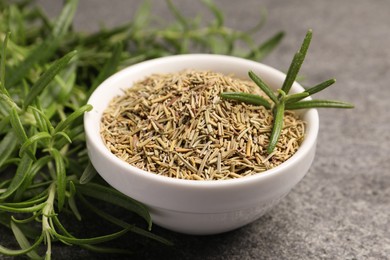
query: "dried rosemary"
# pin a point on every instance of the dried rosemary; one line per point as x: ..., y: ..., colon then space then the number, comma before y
x: 177, y: 125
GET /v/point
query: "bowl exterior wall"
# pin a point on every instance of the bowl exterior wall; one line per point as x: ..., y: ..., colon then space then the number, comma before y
x: 197, y: 207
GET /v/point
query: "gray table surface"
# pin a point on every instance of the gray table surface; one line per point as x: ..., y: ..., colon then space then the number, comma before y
x: 341, y: 209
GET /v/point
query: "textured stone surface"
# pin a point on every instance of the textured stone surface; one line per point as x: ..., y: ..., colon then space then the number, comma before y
x: 341, y: 209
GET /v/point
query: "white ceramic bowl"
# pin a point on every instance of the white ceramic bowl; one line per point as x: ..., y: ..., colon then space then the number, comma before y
x: 189, y: 206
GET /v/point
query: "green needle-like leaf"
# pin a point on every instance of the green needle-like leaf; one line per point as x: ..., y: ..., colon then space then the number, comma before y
x: 64, y: 21
x: 295, y: 97
x: 42, y: 120
x: 296, y: 63
x: 66, y: 123
x: 141, y: 17
x: 64, y: 135
x: 17, y: 126
x: 2, y: 65
x: 88, y: 174
x: 19, y: 130
x: 292, y: 72
x: 316, y: 103
x: 23, y: 204
x: 180, y: 18
x: 23, y: 242
x: 7, y: 146
x: 47, y: 77
x: 30, y: 175
x: 306, y: 42
x: 268, y: 46
x: 320, y: 87
x: 72, y: 202
x: 7, y: 103
x: 216, y: 11
x: 30, y: 209
x: 24, y: 221
x: 33, y: 139
x: 90, y: 241
x: 12, y: 252
x: 267, y: 90
x: 61, y: 177
x: 109, y: 68
x: 277, y: 127
x: 18, y: 178
x: 247, y: 98
x: 41, y: 53
x: 35, y: 168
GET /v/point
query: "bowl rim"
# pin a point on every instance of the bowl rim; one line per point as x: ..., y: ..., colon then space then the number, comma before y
x: 309, y: 141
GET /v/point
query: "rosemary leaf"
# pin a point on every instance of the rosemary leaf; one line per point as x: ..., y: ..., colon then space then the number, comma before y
x: 39, y: 164
x: 277, y: 126
x: 2, y: 65
x: 90, y: 241
x: 216, y: 11
x: 72, y: 117
x: 13, y: 252
x: 17, y: 126
x: 317, y: 103
x: 33, y: 139
x: 292, y: 72
x: 320, y: 87
x: 306, y: 42
x: 23, y: 242
x: 39, y: 54
x: 7, y: 103
x: 247, y: 98
x: 7, y: 146
x: 64, y: 135
x: 29, y: 203
x: 43, y: 121
x: 72, y: 201
x: 47, y: 77
x: 109, y: 68
x: 88, y: 174
x: 29, y: 209
x: 296, y: 63
x: 61, y: 177
x: 267, y: 90
x: 267, y: 47
x: 23, y: 221
x: 19, y: 176
x: 295, y: 97
x: 180, y: 18
x: 65, y: 19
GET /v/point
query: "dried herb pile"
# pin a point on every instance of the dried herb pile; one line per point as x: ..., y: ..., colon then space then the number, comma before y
x: 177, y: 125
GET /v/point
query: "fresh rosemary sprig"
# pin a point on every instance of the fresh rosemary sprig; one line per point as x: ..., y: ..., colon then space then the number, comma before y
x: 282, y: 100
x: 47, y: 73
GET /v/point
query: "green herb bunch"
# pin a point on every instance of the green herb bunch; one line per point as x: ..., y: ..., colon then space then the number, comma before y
x: 282, y: 100
x: 47, y: 73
